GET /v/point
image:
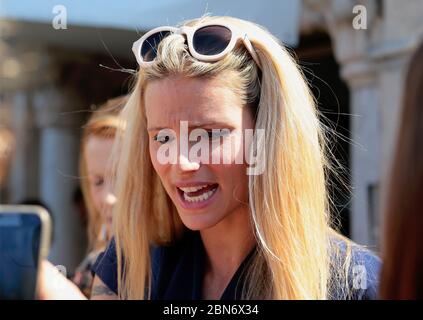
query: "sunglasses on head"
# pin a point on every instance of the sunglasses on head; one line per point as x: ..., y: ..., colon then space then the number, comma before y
x: 206, y: 42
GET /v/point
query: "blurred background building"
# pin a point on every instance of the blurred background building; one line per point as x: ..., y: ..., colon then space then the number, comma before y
x: 56, y: 61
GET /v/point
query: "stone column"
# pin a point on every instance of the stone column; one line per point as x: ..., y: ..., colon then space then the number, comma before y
x: 392, y: 63
x: 24, y: 172
x: 350, y: 48
x: 59, y: 154
x: 373, y: 62
x: 47, y: 128
x: 23, y: 68
x: 365, y: 156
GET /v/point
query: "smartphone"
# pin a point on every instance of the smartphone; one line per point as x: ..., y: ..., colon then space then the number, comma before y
x: 24, y: 242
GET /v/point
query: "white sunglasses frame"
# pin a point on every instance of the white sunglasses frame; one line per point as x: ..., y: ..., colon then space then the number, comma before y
x: 189, y: 32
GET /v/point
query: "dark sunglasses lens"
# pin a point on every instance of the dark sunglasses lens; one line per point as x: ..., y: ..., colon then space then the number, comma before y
x: 211, y: 40
x: 150, y: 45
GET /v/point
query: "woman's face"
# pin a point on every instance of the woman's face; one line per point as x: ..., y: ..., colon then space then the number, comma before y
x: 97, y: 155
x: 206, y: 191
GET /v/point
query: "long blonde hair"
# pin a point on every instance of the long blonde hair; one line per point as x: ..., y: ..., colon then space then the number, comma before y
x: 104, y: 123
x: 288, y: 202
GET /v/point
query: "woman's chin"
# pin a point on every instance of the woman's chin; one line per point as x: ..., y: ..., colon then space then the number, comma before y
x: 198, y: 223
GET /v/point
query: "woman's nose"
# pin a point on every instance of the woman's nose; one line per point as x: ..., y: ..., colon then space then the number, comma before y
x: 186, y: 165
x: 109, y: 198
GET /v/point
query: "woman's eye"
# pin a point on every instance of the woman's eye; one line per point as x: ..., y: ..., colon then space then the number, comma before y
x: 216, y: 134
x: 212, y: 135
x: 98, y: 182
x: 162, y: 138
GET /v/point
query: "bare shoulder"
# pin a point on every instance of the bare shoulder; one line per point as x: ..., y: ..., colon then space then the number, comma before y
x: 101, y: 291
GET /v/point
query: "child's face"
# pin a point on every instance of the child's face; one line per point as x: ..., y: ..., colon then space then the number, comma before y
x: 97, y: 154
x: 209, y: 189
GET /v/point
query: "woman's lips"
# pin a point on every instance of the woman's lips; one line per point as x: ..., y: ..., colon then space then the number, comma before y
x: 197, y: 196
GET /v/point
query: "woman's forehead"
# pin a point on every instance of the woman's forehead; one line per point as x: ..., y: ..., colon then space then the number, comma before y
x: 187, y: 99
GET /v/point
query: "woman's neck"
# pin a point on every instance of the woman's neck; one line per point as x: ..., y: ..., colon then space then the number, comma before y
x: 227, y: 245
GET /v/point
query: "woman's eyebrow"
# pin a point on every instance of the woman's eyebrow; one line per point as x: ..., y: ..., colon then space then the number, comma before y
x: 208, y: 124
x: 155, y: 128
x: 194, y: 125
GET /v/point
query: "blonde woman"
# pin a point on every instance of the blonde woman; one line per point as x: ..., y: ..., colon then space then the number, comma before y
x: 95, y: 169
x: 245, y: 218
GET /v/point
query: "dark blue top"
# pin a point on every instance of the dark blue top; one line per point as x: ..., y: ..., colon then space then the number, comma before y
x: 178, y: 271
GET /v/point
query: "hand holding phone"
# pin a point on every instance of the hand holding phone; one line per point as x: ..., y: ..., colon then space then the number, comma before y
x: 52, y: 285
x: 24, y: 242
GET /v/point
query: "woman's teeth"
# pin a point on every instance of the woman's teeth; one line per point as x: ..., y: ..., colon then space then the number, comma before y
x: 193, y: 189
x: 198, y: 197
x: 201, y: 197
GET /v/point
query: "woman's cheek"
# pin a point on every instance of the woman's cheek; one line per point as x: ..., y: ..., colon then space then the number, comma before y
x: 96, y: 197
x: 153, y: 157
x: 158, y: 168
x: 230, y: 150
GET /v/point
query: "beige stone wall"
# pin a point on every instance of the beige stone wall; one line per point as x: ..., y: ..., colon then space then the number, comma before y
x: 373, y: 63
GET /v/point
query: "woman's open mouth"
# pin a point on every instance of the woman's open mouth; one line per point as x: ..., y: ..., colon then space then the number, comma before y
x: 199, y: 196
